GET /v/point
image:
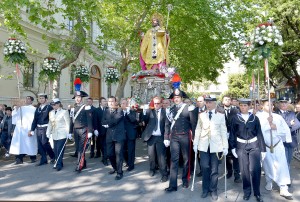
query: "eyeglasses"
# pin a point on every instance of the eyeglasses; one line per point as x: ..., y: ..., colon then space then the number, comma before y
x: 157, y: 103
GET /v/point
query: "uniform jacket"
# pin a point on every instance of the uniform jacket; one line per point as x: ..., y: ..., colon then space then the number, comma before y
x: 41, y: 117
x: 288, y: 117
x: 211, y: 133
x: 59, y: 124
x: 10, y: 126
x: 185, y: 122
x: 115, y: 122
x: 150, y: 122
x: 246, y: 131
x: 83, y: 120
x: 195, y: 115
x: 130, y: 123
x: 100, y: 128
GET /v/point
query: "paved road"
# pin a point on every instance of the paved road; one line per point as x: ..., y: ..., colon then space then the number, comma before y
x: 27, y: 182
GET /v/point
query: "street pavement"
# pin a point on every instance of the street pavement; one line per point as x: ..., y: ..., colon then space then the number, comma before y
x: 26, y: 182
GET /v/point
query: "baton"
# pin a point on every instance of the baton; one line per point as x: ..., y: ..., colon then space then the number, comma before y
x: 195, y: 164
x: 225, y: 178
x: 60, y: 153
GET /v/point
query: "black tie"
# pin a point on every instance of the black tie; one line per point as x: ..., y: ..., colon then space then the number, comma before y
x: 209, y: 115
x: 55, y: 111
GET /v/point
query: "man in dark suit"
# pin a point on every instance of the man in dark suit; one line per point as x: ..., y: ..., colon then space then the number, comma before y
x: 40, y: 124
x: 130, y: 131
x: 101, y: 140
x: 157, y: 126
x: 232, y: 163
x: 95, y: 122
x: 6, y: 130
x: 293, y: 123
x: 113, y: 120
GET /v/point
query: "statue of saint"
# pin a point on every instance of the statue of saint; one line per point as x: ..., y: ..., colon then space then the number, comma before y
x: 154, y: 45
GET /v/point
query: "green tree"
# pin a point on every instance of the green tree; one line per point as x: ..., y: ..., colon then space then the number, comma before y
x: 238, y: 86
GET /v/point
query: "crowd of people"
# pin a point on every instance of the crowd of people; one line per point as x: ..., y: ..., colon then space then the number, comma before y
x: 248, y: 136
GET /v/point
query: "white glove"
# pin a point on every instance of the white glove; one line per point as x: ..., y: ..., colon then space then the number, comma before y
x: 96, y: 133
x: 32, y: 133
x: 191, y: 108
x: 128, y: 110
x: 225, y: 152
x: 90, y: 135
x: 263, y: 156
x: 234, y: 153
x: 167, y: 143
x: 227, y: 135
x: 69, y: 136
x: 195, y: 148
x: 105, y: 126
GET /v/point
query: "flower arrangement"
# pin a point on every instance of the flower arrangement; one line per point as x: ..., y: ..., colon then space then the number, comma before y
x: 266, y: 37
x: 50, y: 68
x: 14, y: 51
x: 111, y: 75
x: 83, y: 73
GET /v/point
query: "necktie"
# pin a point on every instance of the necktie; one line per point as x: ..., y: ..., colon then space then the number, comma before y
x: 209, y: 115
x: 55, y: 111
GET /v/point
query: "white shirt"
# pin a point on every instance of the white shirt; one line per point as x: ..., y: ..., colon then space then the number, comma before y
x: 157, y: 132
x: 245, y: 116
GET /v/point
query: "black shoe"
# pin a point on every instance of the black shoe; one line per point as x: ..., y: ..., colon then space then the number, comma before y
x: 204, y: 195
x: 92, y: 155
x: 237, y: 180
x: 229, y: 175
x: 74, y: 155
x: 105, y: 162
x: 58, y: 168
x: 40, y: 164
x: 246, y: 197
x: 185, y: 185
x: 259, y: 199
x: 130, y: 169
x: 112, y: 172
x: 164, y: 179
x: 18, y: 161
x: 152, y: 173
x: 52, y: 161
x: 156, y: 167
x: 199, y: 174
x: 33, y: 161
x: 170, y: 189
x: 119, y: 176
x: 214, y: 195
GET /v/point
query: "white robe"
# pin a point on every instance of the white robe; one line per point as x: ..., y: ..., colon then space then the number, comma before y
x: 275, y: 164
x: 21, y: 143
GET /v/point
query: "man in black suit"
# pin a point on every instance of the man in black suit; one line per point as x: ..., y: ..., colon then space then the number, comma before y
x: 130, y: 131
x: 95, y: 123
x: 113, y: 120
x: 232, y: 163
x: 157, y: 126
x: 101, y: 140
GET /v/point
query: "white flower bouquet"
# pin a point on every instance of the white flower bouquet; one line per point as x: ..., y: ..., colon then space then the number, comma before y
x: 83, y: 73
x: 111, y: 75
x: 50, y: 68
x: 14, y: 51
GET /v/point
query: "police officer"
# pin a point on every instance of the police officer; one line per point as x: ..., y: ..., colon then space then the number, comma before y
x: 293, y: 123
x: 248, y: 145
x: 40, y: 124
x: 81, y: 126
x: 180, y: 138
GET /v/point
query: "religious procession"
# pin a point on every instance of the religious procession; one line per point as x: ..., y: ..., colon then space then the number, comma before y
x: 141, y: 122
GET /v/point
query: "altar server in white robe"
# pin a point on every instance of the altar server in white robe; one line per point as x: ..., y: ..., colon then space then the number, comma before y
x: 275, y: 164
x: 22, y: 144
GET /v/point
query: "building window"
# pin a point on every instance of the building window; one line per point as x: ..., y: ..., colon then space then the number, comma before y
x: 72, y: 77
x: 28, y: 76
x: 70, y: 25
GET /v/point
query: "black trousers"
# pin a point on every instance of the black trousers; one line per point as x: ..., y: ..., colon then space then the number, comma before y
x: 232, y: 165
x: 249, y: 160
x: 209, y: 164
x: 129, y: 152
x: 103, y: 146
x: 115, y: 154
x: 179, y: 143
x: 44, y: 146
x: 80, y: 136
x: 21, y: 156
x: 59, y: 148
x: 5, y: 140
x: 157, y: 148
